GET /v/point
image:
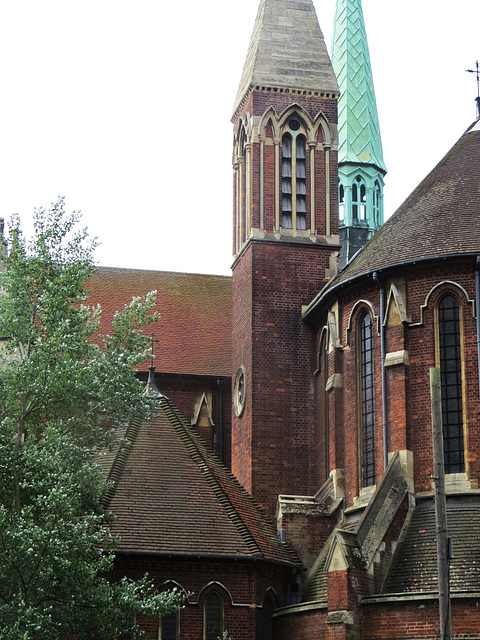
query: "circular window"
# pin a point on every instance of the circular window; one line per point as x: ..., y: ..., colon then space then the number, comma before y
x: 294, y: 125
x: 239, y: 391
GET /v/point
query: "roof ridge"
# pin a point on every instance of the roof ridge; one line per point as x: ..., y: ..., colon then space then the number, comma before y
x: 197, y: 450
x: 119, y: 461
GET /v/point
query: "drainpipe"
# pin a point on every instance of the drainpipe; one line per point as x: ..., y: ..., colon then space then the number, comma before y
x: 377, y: 281
x: 477, y: 312
x: 220, y: 421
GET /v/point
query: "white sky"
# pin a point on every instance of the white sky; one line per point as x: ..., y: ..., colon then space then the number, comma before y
x: 124, y: 107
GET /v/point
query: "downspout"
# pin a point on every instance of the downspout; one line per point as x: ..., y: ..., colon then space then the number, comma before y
x: 377, y: 281
x: 220, y: 420
x: 477, y: 312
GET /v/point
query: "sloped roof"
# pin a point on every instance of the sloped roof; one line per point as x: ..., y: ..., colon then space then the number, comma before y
x: 359, y: 138
x: 439, y: 219
x: 194, y: 333
x: 172, y: 495
x: 287, y: 50
x: 415, y: 566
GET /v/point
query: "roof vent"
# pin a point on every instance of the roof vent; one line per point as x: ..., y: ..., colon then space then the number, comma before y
x: 151, y: 389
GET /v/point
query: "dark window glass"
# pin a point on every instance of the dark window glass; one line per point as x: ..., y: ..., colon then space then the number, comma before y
x: 451, y: 377
x: 213, y: 617
x: 367, y: 401
x: 169, y: 627
x: 267, y: 612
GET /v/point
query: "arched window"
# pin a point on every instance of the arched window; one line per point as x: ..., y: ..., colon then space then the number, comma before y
x: 294, y: 178
x: 367, y: 404
x: 376, y: 204
x: 324, y: 408
x: 450, y: 352
x: 359, y: 199
x: 267, y: 612
x: 341, y: 202
x: 213, y: 617
x: 169, y: 626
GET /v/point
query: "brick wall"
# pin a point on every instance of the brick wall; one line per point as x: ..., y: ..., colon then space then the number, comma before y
x: 241, y: 585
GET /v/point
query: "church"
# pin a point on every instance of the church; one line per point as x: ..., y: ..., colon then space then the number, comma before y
x: 286, y: 485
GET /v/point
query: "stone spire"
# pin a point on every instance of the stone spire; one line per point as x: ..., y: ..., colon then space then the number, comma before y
x: 287, y: 51
x: 360, y: 157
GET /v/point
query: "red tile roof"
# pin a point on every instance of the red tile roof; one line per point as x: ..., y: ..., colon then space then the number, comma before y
x: 172, y: 495
x: 194, y: 332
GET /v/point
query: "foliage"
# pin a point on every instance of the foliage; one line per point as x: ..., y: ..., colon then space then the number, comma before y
x: 59, y: 381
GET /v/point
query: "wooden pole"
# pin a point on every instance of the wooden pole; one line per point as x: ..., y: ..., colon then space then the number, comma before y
x: 440, y: 506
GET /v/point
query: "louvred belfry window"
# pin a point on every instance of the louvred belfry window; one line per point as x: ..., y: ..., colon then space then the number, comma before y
x: 294, y: 178
x: 367, y: 408
x: 451, y: 378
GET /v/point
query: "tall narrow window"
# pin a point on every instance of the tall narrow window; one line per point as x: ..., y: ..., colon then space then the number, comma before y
x: 267, y: 612
x: 341, y: 202
x: 294, y: 178
x: 301, y: 175
x: 287, y: 208
x: 451, y: 377
x: 213, y: 617
x: 169, y: 626
x: 367, y: 409
x: 359, y: 200
x: 376, y: 204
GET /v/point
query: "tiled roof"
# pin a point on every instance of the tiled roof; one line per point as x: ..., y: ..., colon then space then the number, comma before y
x: 415, y: 566
x: 194, y: 333
x: 440, y: 218
x: 173, y: 496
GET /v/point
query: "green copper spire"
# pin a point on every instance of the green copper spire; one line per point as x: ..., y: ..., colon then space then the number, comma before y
x: 360, y: 157
x: 359, y: 131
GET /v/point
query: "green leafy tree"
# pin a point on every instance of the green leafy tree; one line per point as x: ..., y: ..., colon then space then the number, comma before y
x: 59, y: 382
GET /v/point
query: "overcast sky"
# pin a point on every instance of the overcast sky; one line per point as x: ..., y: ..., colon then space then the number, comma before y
x: 124, y: 107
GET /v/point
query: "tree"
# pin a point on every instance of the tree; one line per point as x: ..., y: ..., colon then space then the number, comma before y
x: 59, y: 383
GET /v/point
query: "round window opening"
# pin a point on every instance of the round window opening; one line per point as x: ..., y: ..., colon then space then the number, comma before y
x: 294, y: 125
x: 239, y: 391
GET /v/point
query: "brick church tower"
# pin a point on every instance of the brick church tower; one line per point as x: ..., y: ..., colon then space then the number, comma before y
x: 285, y: 245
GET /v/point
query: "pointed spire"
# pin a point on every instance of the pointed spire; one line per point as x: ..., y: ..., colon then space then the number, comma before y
x: 358, y: 127
x: 287, y: 51
x: 360, y: 158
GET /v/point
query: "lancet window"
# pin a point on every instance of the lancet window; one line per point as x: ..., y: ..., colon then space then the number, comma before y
x: 359, y: 199
x: 450, y: 351
x: 366, y: 398
x: 213, y: 627
x: 294, y: 178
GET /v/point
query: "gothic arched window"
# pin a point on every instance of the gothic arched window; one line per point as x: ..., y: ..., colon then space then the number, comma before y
x: 169, y: 626
x: 359, y: 199
x: 376, y: 204
x: 213, y: 617
x: 450, y: 355
x: 294, y: 177
x: 366, y: 397
x: 341, y: 202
